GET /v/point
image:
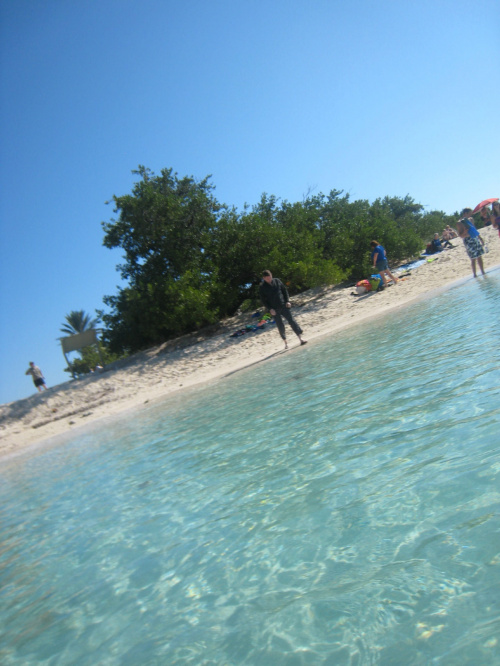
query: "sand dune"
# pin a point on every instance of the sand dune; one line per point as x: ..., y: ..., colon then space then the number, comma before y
x: 204, y: 356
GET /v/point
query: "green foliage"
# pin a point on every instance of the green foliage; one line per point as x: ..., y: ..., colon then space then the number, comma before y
x: 77, y: 321
x: 164, y: 228
x: 189, y: 260
x: 89, y: 359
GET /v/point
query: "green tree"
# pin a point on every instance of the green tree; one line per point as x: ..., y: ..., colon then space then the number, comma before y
x: 77, y: 321
x: 164, y: 227
x: 283, y: 237
x: 347, y: 229
x: 190, y: 260
x: 89, y: 358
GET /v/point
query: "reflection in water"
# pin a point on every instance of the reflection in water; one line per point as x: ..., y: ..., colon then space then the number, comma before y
x: 336, y: 505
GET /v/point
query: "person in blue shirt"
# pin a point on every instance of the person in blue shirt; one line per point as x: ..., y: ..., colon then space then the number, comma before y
x: 474, y: 244
x: 379, y: 261
x: 436, y: 244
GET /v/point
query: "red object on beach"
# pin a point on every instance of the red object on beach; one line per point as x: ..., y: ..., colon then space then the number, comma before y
x: 484, y: 203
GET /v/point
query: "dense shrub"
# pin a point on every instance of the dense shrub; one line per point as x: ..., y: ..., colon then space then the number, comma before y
x: 189, y: 260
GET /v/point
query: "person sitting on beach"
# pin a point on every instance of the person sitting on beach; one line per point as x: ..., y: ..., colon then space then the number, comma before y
x: 436, y: 244
x: 474, y: 244
x: 379, y: 261
x: 440, y: 245
x: 274, y: 296
x: 38, y: 378
x: 449, y: 233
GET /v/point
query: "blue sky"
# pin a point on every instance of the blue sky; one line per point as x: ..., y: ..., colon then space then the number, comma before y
x: 280, y: 96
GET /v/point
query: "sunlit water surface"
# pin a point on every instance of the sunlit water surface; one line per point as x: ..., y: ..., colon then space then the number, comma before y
x: 338, y: 504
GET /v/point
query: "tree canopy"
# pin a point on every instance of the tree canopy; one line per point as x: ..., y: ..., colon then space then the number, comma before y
x: 190, y: 261
x: 77, y: 321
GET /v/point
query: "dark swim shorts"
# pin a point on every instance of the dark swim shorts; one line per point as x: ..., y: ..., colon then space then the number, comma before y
x: 473, y: 247
x: 39, y: 382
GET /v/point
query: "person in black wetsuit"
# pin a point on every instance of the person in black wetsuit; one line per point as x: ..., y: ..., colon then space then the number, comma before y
x: 274, y: 296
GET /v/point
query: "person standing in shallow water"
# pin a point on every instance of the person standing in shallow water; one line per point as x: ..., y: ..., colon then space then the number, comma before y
x: 474, y: 244
x: 274, y: 296
x: 38, y: 378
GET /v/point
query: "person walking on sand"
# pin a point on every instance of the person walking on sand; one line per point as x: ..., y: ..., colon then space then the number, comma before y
x: 38, y: 378
x: 379, y: 261
x: 274, y: 296
x: 474, y: 244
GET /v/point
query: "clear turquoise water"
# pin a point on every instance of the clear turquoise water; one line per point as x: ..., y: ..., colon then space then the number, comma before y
x: 336, y: 505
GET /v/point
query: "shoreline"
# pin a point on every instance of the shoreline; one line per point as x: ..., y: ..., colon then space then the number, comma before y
x: 45, y: 419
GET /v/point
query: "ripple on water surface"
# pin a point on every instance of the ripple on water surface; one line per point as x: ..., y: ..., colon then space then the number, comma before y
x: 338, y: 505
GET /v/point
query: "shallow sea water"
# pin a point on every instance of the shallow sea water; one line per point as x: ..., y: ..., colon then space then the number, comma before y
x: 337, y: 504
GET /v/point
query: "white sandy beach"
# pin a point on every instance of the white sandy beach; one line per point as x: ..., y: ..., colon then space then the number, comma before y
x: 157, y: 372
